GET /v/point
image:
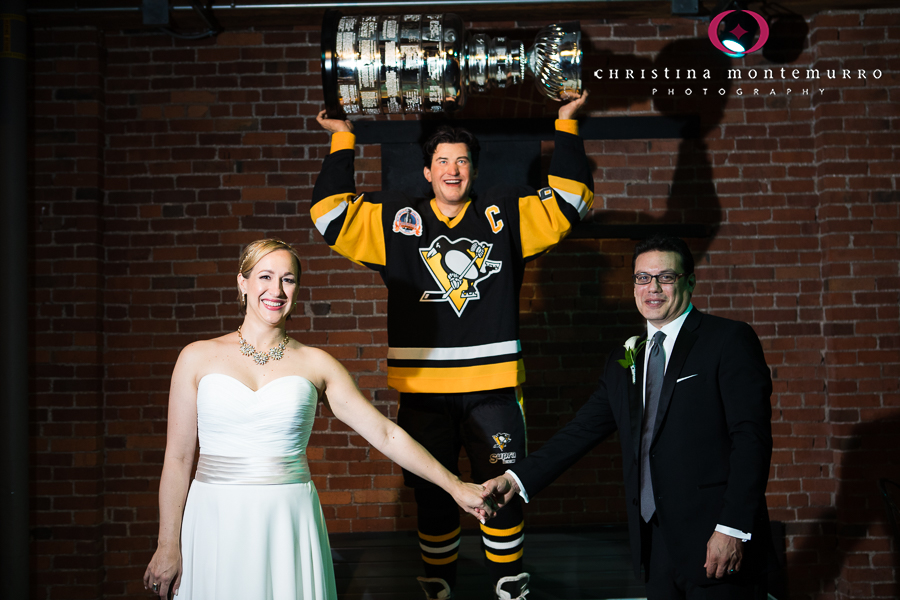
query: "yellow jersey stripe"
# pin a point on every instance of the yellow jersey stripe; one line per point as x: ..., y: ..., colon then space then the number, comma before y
x: 541, y: 225
x: 439, y: 538
x: 456, y: 380
x: 441, y: 561
x: 362, y: 236
x: 506, y: 532
x: 567, y: 125
x: 500, y: 558
x: 342, y: 140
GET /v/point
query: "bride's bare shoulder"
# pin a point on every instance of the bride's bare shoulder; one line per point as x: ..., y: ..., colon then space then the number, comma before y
x: 317, y: 362
x: 314, y: 355
x: 206, y: 350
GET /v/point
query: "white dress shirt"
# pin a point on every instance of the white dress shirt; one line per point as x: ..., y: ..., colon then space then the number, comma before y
x: 671, y: 330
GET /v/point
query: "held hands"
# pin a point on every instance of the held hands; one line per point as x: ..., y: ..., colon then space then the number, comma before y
x: 501, y: 489
x: 472, y: 499
x: 569, y: 109
x: 334, y: 125
x: 723, y: 555
x: 163, y: 571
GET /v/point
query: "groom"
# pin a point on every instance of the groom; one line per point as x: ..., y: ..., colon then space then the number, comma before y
x: 691, y: 404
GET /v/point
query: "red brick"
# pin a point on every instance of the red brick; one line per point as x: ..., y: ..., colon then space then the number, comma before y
x: 809, y: 225
x: 239, y: 39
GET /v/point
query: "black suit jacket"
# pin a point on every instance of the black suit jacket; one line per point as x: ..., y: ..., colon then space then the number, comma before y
x: 712, y: 442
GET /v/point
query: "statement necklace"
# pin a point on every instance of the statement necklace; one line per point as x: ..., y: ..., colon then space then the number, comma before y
x: 262, y: 358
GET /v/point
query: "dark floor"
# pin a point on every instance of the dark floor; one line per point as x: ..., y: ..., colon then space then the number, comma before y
x: 590, y: 563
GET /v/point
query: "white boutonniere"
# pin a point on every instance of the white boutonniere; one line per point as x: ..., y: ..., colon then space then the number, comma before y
x: 631, y: 349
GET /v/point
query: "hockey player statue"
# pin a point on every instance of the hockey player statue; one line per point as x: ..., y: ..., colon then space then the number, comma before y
x: 453, y: 266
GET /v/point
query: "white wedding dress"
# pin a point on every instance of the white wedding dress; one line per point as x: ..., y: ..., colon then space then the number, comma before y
x: 253, y: 528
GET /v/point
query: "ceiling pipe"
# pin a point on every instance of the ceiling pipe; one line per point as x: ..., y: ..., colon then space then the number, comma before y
x: 323, y: 5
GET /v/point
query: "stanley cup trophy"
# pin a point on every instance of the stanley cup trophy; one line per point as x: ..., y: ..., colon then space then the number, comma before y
x: 427, y: 63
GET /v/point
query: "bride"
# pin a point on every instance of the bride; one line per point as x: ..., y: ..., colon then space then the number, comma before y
x: 251, y: 525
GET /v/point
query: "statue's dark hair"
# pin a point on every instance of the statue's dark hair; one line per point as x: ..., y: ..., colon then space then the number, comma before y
x: 446, y: 134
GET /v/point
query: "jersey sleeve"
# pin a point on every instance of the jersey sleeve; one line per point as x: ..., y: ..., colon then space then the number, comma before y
x: 350, y: 223
x: 546, y: 218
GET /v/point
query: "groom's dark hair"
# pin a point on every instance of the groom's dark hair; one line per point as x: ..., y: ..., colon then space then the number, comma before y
x: 664, y: 243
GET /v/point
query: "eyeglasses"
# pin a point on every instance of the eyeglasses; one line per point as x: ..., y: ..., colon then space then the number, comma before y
x: 666, y: 278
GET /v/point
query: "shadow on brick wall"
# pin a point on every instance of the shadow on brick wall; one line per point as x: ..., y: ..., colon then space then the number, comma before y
x: 577, y: 301
x: 683, y: 192
x: 849, y: 547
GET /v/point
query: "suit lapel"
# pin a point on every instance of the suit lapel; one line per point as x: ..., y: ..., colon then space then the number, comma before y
x: 683, y: 344
x: 636, y: 398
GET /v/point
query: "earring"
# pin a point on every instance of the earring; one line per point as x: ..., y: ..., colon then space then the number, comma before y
x: 244, y: 302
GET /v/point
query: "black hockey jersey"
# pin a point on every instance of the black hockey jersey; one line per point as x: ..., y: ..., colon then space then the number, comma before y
x: 453, y: 284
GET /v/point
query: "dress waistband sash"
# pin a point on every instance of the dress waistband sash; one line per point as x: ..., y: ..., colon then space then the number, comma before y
x: 253, y: 470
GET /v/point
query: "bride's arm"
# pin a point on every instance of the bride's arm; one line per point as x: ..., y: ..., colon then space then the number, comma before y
x: 349, y: 405
x: 181, y: 440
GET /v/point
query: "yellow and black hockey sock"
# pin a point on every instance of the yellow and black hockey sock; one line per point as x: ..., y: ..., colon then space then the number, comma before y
x: 503, y: 539
x: 439, y: 530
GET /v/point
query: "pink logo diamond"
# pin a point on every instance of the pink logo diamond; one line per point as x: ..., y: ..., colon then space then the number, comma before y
x: 713, y: 32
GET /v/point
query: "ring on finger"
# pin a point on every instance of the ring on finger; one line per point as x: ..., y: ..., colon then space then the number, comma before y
x: 156, y: 587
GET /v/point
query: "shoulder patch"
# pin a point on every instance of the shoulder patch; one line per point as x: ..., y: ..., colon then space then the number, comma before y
x: 408, y: 222
x: 545, y: 193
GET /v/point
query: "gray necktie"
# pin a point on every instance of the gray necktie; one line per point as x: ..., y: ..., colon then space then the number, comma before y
x: 656, y: 370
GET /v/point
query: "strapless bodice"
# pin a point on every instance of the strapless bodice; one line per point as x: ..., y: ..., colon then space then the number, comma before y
x: 235, y: 421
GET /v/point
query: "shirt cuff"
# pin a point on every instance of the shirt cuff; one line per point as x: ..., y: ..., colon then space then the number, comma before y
x: 567, y: 125
x: 342, y: 140
x: 744, y: 537
x: 522, y: 491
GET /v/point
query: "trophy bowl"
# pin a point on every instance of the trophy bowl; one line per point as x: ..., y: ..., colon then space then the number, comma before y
x: 427, y: 63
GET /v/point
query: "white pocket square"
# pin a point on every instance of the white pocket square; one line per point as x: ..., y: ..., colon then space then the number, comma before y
x: 688, y: 377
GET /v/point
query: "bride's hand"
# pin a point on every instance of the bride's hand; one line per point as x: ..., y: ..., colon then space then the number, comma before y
x: 164, y: 570
x: 470, y: 496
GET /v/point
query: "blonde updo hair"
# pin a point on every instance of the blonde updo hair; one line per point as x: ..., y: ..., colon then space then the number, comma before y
x: 253, y: 253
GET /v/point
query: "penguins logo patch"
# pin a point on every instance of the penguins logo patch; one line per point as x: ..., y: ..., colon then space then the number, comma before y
x: 502, y: 440
x: 458, y: 267
x: 507, y: 458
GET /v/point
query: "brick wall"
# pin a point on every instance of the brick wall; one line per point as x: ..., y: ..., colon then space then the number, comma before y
x: 155, y: 160
x: 70, y: 447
